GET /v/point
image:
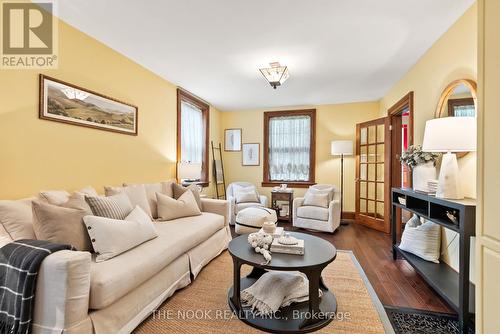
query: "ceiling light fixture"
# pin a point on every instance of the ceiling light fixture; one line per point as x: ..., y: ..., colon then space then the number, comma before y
x: 276, y: 75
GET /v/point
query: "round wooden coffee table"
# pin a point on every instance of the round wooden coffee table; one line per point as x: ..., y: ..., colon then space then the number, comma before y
x: 299, y: 317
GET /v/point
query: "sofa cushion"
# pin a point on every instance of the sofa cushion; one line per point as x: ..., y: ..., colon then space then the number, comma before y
x: 56, y: 197
x: 16, y: 218
x: 151, y: 190
x: 179, y: 190
x: 59, y: 197
x: 111, y: 237
x: 114, y: 207
x: 115, y: 277
x: 170, y: 209
x: 313, y: 212
x: 61, y: 225
x: 135, y: 193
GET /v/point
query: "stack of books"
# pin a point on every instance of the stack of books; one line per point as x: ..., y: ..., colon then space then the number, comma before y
x: 297, y: 249
x: 432, y: 186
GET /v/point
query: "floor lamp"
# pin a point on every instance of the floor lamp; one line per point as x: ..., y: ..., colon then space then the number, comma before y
x: 342, y: 148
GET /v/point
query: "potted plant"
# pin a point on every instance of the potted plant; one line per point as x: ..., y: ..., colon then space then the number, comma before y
x: 422, y: 164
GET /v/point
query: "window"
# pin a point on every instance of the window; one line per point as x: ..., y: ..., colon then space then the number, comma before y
x: 192, y: 132
x: 289, y: 147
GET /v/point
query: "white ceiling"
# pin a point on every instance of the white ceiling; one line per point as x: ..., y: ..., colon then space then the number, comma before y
x: 337, y: 50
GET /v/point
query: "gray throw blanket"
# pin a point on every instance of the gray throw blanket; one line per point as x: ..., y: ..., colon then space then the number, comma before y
x: 276, y: 289
x: 19, y: 264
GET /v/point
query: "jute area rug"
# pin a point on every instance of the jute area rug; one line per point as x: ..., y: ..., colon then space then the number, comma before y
x: 202, y: 306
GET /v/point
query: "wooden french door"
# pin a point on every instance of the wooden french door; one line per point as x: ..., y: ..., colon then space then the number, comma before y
x: 373, y: 142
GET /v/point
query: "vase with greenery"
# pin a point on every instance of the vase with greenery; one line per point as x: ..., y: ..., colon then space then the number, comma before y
x: 422, y: 164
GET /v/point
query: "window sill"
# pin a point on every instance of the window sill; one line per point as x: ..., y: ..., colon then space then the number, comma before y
x: 199, y: 183
x: 291, y: 184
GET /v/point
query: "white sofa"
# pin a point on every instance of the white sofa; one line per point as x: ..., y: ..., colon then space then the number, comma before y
x: 318, y: 218
x: 75, y: 294
x: 237, y: 207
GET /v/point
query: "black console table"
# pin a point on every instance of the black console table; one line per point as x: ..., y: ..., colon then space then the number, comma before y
x: 455, y: 288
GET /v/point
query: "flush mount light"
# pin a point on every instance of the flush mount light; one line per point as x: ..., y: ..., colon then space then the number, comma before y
x: 276, y: 75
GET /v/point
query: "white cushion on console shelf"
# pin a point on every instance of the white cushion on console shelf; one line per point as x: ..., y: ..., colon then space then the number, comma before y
x: 422, y: 239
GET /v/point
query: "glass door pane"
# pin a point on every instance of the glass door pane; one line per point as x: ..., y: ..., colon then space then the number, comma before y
x: 370, y: 169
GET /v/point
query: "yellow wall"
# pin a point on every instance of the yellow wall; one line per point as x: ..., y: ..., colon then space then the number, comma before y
x: 488, y: 226
x: 333, y: 122
x: 37, y: 154
x: 453, y: 56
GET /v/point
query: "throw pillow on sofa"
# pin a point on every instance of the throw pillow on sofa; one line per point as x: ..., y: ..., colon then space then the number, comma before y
x: 58, y: 197
x: 316, y: 199
x: 134, y: 230
x: 74, y: 201
x: 422, y: 239
x: 135, y: 193
x: 179, y: 190
x: 245, y: 194
x: 16, y: 220
x: 114, y: 207
x: 164, y: 187
x: 185, y: 206
x: 61, y: 225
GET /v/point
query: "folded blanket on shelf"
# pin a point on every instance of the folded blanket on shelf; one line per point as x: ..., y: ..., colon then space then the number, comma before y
x: 19, y: 264
x: 276, y: 289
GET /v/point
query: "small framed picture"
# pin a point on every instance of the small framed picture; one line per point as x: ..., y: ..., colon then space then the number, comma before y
x: 232, y: 140
x: 251, y: 154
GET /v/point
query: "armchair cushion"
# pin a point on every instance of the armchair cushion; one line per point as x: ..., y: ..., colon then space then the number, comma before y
x: 322, y: 189
x: 241, y: 206
x: 245, y: 194
x: 316, y: 199
x: 313, y: 212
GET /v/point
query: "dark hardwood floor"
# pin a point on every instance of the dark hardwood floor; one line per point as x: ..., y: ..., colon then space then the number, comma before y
x: 395, y: 282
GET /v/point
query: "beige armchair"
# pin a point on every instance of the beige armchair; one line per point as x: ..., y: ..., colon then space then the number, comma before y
x: 326, y: 219
x: 236, y: 207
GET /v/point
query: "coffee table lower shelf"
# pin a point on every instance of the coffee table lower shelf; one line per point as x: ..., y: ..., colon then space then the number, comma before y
x: 289, y: 319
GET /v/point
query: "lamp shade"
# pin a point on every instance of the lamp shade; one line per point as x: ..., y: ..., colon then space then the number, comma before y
x: 188, y: 171
x: 450, y: 134
x: 340, y: 147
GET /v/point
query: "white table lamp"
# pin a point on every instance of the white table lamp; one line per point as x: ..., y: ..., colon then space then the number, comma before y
x: 450, y: 134
x: 341, y: 147
x: 188, y: 171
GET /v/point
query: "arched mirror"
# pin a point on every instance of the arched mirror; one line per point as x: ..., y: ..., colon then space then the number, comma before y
x: 458, y: 99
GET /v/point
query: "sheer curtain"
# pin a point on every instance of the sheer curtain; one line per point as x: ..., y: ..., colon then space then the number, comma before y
x: 191, y: 133
x: 464, y: 111
x: 289, y: 148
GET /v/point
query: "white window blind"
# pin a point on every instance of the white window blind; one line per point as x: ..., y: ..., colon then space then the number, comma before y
x: 289, y: 148
x: 191, y: 133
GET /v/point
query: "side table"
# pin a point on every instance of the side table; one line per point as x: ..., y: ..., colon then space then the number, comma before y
x: 285, y: 197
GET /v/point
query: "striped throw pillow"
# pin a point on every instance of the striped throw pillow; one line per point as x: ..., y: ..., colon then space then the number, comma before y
x: 115, y: 207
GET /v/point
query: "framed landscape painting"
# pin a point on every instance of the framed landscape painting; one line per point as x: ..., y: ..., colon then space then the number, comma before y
x: 251, y: 154
x: 67, y: 103
x: 232, y: 140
